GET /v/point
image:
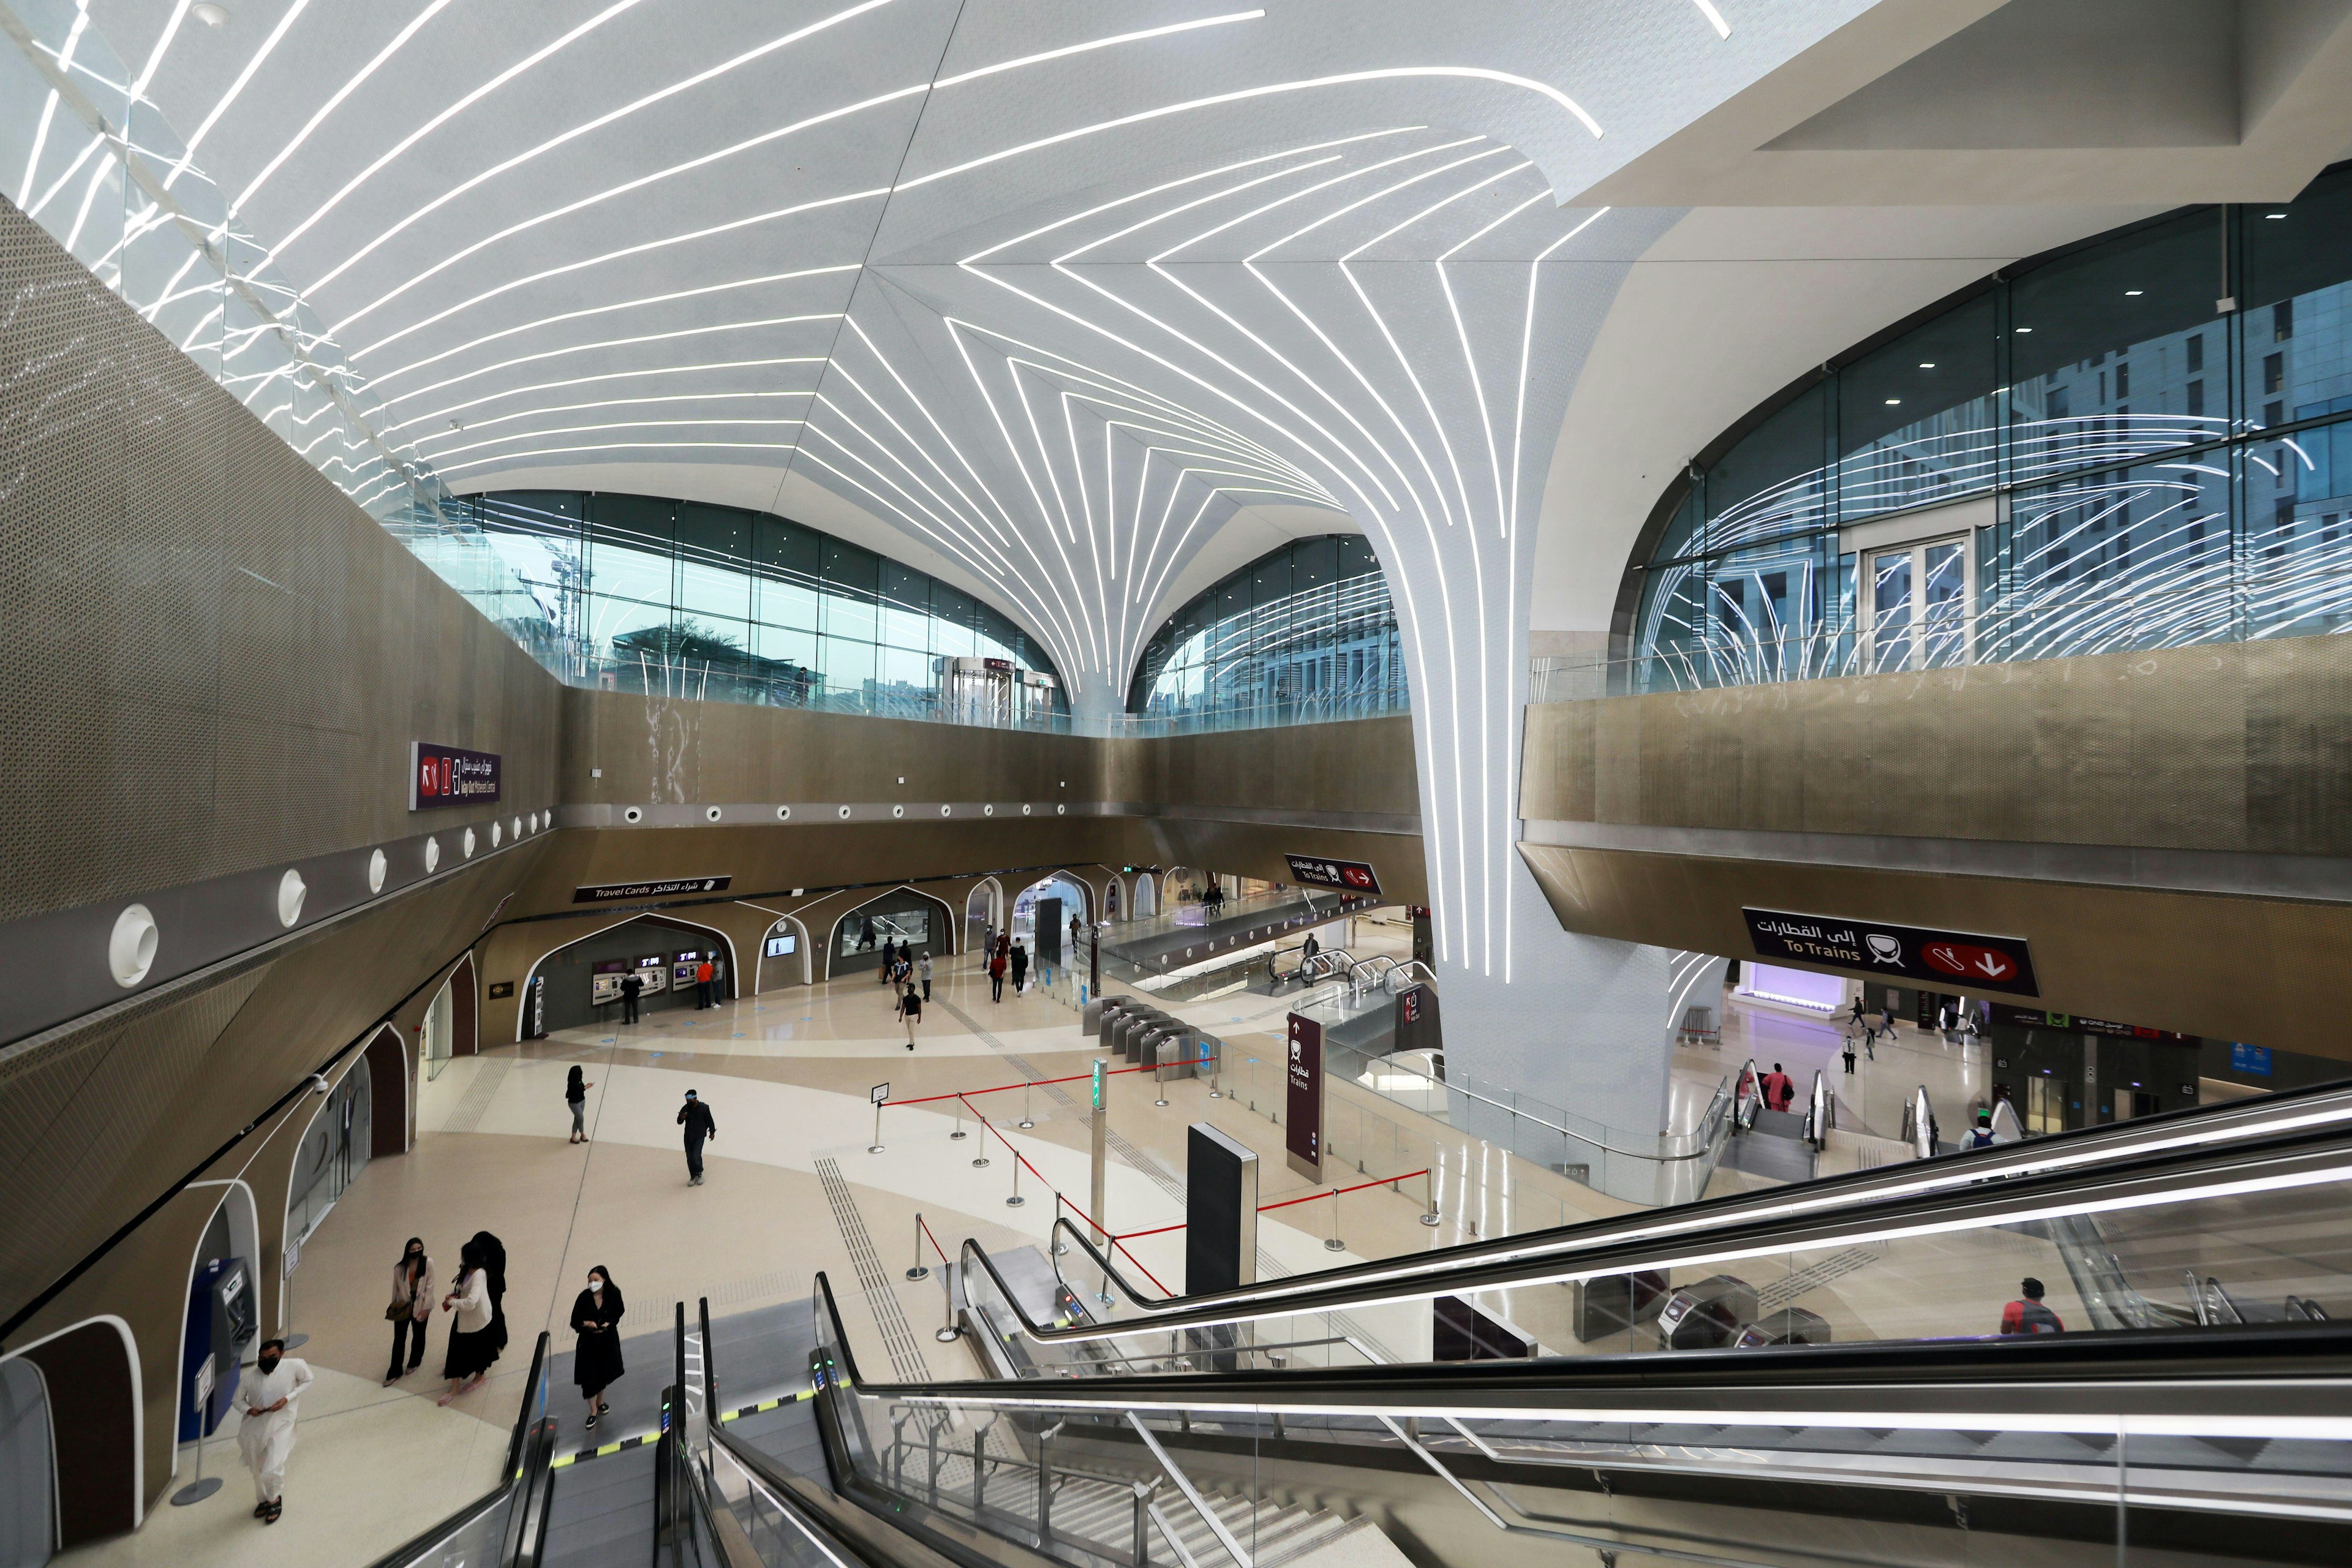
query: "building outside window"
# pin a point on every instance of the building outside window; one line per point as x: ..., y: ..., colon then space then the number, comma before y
x: 1307, y: 632
x: 2063, y: 460
x: 682, y: 599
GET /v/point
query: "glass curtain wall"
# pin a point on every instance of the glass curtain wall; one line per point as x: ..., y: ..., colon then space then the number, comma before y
x: 2155, y: 429
x: 636, y: 594
x: 1304, y: 633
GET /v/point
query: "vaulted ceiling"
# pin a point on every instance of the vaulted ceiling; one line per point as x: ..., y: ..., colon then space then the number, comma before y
x: 1053, y: 288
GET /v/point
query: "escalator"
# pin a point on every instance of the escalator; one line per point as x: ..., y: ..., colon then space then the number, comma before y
x: 1673, y: 1403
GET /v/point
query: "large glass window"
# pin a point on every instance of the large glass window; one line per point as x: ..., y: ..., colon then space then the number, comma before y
x: 1305, y: 632
x: 634, y: 592
x: 2143, y: 441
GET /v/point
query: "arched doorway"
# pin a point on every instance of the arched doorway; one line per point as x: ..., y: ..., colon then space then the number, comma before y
x: 337, y: 1143
x: 902, y: 916
x: 984, y: 909
x: 783, y: 957
x: 652, y: 947
x: 94, y: 1367
x: 387, y: 1070
x: 1042, y: 913
x: 1147, y: 896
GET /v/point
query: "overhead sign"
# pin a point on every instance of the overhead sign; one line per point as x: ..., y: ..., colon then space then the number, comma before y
x: 1302, y: 1131
x: 444, y: 775
x: 1950, y: 960
x: 879, y: 1093
x: 2246, y: 1058
x: 2075, y: 1023
x: 1348, y: 876
x: 668, y: 888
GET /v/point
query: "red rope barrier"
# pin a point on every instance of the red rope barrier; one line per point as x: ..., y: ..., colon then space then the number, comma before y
x: 934, y: 1240
x: 1115, y: 1241
x: 1041, y: 1082
x: 1335, y: 1192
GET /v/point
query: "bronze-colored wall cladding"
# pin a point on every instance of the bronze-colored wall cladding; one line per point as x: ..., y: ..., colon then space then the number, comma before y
x: 215, y: 661
x: 1361, y: 767
x: 2238, y: 747
x: 2267, y: 970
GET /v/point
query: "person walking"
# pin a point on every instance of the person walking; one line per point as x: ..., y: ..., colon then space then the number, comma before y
x: 890, y: 961
x: 2027, y: 1315
x: 910, y: 1009
x: 1309, y: 948
x: 632, y: 985
x: 696, y: 1118
x: 925, y: 965
x: 1779, y: 1088
x: 271, y: 1398
x: 494, y: 1274
x: 411, y: 1310
x: 473, y: 1346
x: 865, y: 935
x: 596, y: 1354
x: 1857, y: 1010
x: 996, y: 976
x: 1020, y: 969
x: 575, y: 1095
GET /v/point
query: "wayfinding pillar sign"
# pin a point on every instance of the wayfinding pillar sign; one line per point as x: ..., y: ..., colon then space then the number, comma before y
x: 1302, y: 1132
x: 1958, y: 961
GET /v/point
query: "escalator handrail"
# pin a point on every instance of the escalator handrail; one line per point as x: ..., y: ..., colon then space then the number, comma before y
x: 510, y: 1479
x: 2283, y: 1371
x: 1908, y: 1191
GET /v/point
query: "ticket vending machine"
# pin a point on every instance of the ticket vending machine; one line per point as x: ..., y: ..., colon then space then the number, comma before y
x: 223, y: 1319
x: 655, y: 971
x: 605, y: 982
x: 681, y: 971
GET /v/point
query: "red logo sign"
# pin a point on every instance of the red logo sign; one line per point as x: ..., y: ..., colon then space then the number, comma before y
x: 1968, y: 962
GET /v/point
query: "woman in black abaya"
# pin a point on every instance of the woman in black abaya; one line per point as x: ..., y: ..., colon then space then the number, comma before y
x: 596, y: 1358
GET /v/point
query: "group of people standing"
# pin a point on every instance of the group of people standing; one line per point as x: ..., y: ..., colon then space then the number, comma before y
x: 1004, y: 954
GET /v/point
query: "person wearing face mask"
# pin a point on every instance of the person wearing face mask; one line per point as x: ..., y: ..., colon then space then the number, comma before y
x: 472, y: 1344
x: 411, y: 1311
x: 596, y: 1358
x: 270, y: 1398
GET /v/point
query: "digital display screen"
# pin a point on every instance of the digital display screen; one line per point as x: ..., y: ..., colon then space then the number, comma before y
x: 656, y: 961
x: 782, y: 946
x: 613, y: 966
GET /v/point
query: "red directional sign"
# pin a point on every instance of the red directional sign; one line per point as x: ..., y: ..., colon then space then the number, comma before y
x: 1948, y: 961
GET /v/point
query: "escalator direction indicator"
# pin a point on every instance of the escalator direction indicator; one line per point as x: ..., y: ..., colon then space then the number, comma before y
x: 1958, y: 961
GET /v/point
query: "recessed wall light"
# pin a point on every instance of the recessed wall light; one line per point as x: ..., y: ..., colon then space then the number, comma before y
x: 2025, y: 328
x: 210, y: 14
x: 1893, y: 401
x: 2134, y: 293
x: 1926, y: 364
x: 2274, y: 217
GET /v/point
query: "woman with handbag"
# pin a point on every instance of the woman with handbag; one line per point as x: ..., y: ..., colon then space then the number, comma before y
x: 596, y: 1358
x: 411, y: 1311
x: 473, y: 1346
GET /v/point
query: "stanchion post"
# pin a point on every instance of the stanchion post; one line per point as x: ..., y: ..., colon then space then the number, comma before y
x: 921, y: 1270
x: 947, y: 1333
x: 1025, y: 1124
x: 1017, y: 1200
x: 979, y: 1162
x: 1429, y: 1180
x: 1061, y: 1248
x: 958, y: 1133
x: 1334, y: 1244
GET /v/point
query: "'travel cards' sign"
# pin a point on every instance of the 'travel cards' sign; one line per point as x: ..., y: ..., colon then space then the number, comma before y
x: 1953, y: 960
x: 444, y: 775
x: 623, y: 892
x: 1302, y: 1132
x: 1348, y: 876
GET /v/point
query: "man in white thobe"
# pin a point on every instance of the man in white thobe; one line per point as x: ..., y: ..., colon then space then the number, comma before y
x: 270, y: 1397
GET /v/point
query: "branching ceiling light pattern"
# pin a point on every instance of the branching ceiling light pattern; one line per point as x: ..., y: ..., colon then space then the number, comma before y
x: 1055, y: 294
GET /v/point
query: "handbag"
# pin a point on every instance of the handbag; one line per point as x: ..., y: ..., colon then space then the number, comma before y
x: 397, y: 1311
